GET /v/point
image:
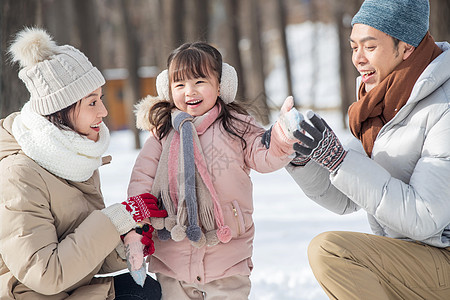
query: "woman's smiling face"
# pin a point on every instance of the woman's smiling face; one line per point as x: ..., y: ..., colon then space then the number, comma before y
x: 88, y: 114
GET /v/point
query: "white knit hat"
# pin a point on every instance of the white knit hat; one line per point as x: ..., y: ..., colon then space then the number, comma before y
x: 56, y: 76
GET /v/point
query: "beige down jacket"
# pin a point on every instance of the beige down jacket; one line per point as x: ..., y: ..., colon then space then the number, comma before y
x: 53, y: 236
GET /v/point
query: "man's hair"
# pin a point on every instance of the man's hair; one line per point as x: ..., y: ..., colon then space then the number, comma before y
x: 396, y: 42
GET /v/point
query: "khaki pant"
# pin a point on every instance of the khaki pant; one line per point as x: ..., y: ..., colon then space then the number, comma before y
x: 350, y: 265
x: 233, y: 288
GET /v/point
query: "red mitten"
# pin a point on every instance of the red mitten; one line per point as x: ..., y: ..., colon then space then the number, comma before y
x: 144, y: 206
x: 147, y: 241
x: 143, y: 233
x: 137, y: 207
x: 152, y: 205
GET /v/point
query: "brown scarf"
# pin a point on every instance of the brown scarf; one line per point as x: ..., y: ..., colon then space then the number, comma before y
x: 374, y: 109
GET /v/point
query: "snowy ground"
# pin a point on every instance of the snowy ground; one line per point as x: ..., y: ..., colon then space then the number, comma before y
x: 285, y: 219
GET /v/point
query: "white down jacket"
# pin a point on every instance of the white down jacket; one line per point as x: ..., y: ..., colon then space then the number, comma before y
x: 405, y: 186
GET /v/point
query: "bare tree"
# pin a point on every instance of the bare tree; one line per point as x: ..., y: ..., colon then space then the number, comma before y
x: 88, y: 32
x: 15, y: 15
x: 313, y: 16
x: 58, y: 12
x: 171, y: 22
x: 231, y: 43
x: 196, y: 23
x: 439, y: 22
x: 257, y: 92
x: 280, y: 14
x: 343, y: 12
x: 132, y: 53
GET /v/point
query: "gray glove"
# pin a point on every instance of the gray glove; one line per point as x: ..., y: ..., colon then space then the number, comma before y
x: 265, y: 139
x: 324, y: 147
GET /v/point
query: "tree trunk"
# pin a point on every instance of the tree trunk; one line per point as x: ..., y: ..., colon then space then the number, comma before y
x: 231, y: 42
x: 15, y: 15
x: 132, y: 85
x: 439, y: 22
x: 282, y: 23
x: 59, y: 19
x: 88, y: 31
x: 314, y: 53
x: 172, y: 12
x: 197, y: 20
x: 343, y: 12
x: 258, y: 93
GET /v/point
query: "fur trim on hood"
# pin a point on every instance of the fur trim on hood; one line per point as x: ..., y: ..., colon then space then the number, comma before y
x: 142, y: 110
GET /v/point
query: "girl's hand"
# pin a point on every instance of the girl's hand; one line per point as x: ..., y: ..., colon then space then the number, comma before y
x: 288, y: 122
x: 289, y: 118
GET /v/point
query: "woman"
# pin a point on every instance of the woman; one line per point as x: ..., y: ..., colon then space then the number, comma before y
x: 55, y: 232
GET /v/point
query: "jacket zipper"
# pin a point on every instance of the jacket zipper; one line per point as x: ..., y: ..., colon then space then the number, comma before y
x: 237, y: 218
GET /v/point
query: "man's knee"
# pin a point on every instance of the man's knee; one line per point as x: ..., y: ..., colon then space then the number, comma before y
x: 325, y: 246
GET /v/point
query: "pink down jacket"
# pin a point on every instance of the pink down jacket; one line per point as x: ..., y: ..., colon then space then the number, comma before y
x: 230, y: 165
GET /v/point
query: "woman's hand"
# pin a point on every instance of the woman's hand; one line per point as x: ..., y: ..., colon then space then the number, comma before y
x: 134, y: 253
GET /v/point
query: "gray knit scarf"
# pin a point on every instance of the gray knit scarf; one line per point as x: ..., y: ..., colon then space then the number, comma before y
x: 184, y: 185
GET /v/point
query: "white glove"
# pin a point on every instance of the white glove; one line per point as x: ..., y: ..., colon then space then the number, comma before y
x: 290, y: 118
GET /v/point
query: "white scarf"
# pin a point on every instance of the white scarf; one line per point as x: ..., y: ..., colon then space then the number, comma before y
x: 64, y: 153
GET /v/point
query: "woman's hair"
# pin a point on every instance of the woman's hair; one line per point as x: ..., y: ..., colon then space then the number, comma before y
x: 195, y: 60
x: 61, y: 118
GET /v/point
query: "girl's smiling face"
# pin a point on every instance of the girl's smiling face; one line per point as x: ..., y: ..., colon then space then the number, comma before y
x: 88, y: 114
x: 194, y: 77
x: 195, y: 96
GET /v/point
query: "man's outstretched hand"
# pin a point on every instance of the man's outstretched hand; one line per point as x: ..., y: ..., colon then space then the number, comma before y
x: 322, y: 144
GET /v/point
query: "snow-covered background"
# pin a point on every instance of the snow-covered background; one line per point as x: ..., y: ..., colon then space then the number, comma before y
x: 285, y: 219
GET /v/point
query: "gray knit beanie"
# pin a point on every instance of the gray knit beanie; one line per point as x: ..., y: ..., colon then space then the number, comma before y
x: 406, y: 20
x: 56, y: 76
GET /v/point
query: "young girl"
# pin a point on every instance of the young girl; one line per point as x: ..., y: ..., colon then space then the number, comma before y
x: 197, y: 162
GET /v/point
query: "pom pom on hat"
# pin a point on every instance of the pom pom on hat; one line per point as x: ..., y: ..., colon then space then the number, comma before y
x: 406, y: 20
x: 32, y: 45
x: 56, y: 76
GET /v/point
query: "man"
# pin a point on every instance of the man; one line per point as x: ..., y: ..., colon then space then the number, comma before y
x: 401, y: 178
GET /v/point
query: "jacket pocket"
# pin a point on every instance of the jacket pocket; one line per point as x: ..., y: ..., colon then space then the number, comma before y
x: 234, y: 218
x: 238, y: 217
